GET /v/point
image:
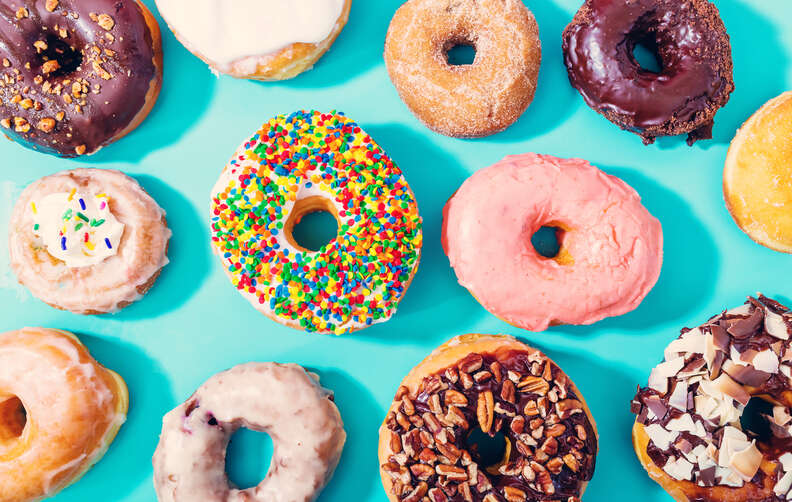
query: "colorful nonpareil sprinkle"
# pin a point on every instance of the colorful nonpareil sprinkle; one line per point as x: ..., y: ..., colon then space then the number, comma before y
x: 70, y: 225
x: 359, y: 277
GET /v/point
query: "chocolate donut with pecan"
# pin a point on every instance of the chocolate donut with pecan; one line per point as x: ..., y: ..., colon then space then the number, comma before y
x: 495, y: 384
x: 688, y: 433
x: 76, y: 75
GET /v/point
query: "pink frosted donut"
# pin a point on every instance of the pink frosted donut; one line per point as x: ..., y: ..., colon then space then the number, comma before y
x: 611, y: 248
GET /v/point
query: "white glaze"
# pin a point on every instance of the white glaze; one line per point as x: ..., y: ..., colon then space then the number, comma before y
x: 282, y: 400
x: 227, y: 31
x: 76, y: 228
x: 62, y: 389
x: 115, y: 281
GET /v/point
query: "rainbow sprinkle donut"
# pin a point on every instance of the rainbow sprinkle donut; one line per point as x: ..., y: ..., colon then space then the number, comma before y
x: 298, y: 164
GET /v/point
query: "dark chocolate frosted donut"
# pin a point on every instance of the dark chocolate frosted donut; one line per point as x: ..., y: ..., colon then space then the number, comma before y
x: 693, y: 50
x: 76, y: 74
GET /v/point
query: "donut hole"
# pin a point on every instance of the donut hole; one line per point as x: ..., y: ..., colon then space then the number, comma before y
x: 312, y: 224
x: 248, y: 457
x: 460, y: 52
x: 645, y: 52
x: 487, y: 451
x: 13, y: 419
x: 754, y: 419
x: 68, y: 58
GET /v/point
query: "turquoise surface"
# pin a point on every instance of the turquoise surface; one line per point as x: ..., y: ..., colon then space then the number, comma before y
x: 194, y: 324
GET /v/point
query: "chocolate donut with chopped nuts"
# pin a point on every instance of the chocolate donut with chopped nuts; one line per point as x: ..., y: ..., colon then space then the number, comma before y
x: 76, y: 75
x: 496, y: 384
x: 688, y: 432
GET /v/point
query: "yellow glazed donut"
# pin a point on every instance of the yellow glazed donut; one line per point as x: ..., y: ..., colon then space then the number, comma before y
x: 59, y: 412
x: 257, y: 39
x: 756, y: 178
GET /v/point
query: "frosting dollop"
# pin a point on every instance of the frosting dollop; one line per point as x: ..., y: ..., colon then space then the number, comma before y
x: 77, y: 229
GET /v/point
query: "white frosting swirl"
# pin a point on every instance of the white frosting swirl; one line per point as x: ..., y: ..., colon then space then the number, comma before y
x: 77, y: 229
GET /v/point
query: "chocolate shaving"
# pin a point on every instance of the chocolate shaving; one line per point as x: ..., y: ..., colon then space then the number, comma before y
x: 716, y: 364
x: 746, y: 375
x: 656, y: 405
x: 707, y: 476
x: 744, y: 328
x: 720, y: 338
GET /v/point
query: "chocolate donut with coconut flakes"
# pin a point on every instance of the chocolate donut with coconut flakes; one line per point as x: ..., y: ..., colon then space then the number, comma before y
x: 688, y: 434
x: 76, y: 75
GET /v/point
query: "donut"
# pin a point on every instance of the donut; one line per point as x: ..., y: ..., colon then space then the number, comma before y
x: 59, y: 412
x: 465, y: 101
x: 693, y: 51
x: 688, y: 433
x: 282, y: 400
x: 611, y: 248
x: 257, y: 39
x: 76, y: 75
x: 90, y: 241
x: 495, y: 384
x: 758, y: 161
x: 302, y: 163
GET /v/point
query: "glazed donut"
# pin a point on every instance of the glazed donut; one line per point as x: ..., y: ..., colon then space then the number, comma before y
x: 687, y: 433
x: 693, y: 51
x: 759, y: 156
x: 495, y: 384
x: 306, y: 162
x: 59, y: 412
x: 464, y: 101
x: 90, y: 241
x: 77, y: 74
x: 611, y: 248
x: 282, y: 400
x: 257, y: 39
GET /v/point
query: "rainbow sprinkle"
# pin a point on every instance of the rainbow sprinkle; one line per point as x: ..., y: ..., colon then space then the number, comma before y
x: 358, y: 278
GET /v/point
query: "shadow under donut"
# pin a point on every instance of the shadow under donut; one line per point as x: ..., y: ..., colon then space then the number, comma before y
x: 555, y: 98
x: 755, y: 81
x: 187, y: 89
x: 690, y: 261
x: 128, y: 461
x: 433, y: 176
x: 357, y: 49
x: 188, y: 255
x: 358, y: 466
x: 607, y: 390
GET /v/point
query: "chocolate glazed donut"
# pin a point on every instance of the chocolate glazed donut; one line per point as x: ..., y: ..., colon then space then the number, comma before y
x: 76, y: 74
x: 693, y: 50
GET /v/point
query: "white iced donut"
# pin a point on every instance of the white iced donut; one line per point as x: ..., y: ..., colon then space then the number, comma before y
x: 90, y: 241
x: 284, y: 401
x: 258, y: 39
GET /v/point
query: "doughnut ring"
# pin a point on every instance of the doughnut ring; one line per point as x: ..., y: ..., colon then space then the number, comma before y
x: 284, y: 401
x: 59, y: 412
x: 464, y: 101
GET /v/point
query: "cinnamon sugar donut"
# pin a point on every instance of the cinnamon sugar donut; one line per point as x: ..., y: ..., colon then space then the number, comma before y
x: 489, y: 383
x: 464, y: 101
x: 59, y: 412
x: 90, y: 241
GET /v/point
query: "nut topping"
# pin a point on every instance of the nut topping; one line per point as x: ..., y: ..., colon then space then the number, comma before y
x: 485, y: 410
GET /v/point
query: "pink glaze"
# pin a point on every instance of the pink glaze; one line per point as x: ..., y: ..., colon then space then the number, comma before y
x: 615, y: 245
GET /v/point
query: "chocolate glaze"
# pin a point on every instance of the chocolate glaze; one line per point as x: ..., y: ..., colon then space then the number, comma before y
x: 100, y: 84
x: 692, y: 47
x: 567, y: 484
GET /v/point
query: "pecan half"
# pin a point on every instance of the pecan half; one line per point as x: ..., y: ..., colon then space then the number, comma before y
x: 485, y: 411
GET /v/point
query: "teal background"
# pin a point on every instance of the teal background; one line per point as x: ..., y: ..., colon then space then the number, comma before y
x: 193, y: 323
